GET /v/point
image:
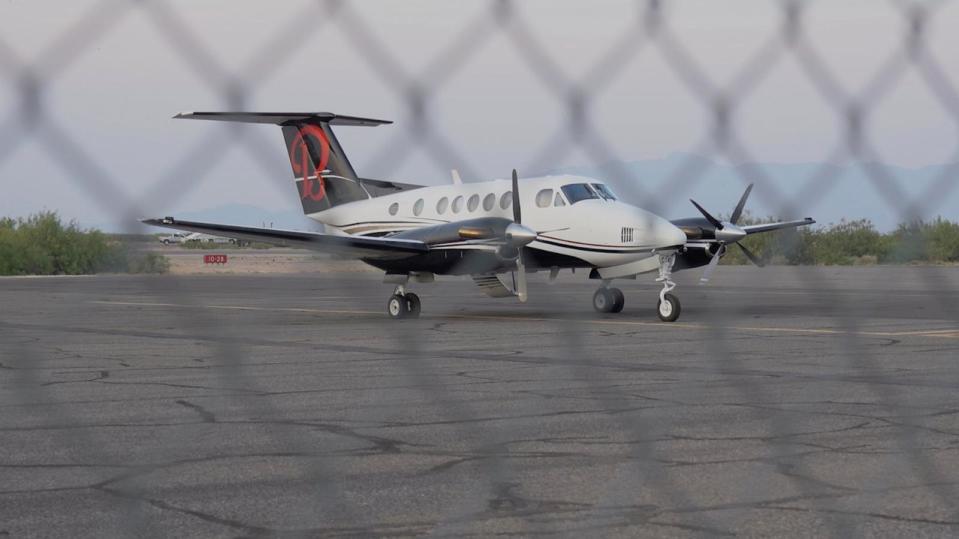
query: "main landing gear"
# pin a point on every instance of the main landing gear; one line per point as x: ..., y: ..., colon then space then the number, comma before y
x: 668, y: 307
x: 403, y: 304
x: 609, y: 300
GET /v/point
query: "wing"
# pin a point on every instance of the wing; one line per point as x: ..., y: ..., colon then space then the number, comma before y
x: 349, y: 246
x: 753, y: 229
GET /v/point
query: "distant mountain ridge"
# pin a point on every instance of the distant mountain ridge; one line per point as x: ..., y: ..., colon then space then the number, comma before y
x: 249, y: 215
x: 848, y: 192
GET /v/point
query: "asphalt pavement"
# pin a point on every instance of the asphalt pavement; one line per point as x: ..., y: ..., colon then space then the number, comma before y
x: 784, y: 402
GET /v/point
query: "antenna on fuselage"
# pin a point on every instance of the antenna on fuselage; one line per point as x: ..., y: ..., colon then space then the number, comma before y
x: 456, y: 177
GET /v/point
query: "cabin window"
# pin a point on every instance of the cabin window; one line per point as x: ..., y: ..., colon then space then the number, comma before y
x: 544, y: 198
x: 418, y: 207
x: 457, y: 204
x: 394, y: 207
x: 489, y: 201
x: 603, y: 191
x: 442, y: 205
x: 506, y: 200
x: 576, y: 192
x: 472, y: 203
x: 558, y: 201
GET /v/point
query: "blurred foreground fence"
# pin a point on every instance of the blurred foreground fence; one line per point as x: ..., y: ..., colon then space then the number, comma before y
x: 29, y: 118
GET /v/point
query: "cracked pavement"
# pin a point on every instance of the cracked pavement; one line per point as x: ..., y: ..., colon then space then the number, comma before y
x: 786, y: 401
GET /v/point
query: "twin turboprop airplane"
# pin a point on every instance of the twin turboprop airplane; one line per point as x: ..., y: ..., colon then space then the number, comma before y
x: 495, y: 231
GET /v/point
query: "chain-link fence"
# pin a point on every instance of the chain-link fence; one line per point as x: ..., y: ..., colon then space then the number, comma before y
x: 251, y: 433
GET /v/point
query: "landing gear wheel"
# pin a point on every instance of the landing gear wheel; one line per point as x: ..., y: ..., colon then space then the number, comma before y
x: 619, y: 300
x: 412, y: 305
x: 397, y: 307
x: 668, y: 310
x: 603, y: 300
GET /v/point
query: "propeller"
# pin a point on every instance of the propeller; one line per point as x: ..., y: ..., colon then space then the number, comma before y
x: 514, y: 239
x: 727, y: 233
x: 518, y: 236
x: 752, y: 257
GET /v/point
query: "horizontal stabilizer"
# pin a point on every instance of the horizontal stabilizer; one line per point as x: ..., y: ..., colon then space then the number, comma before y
x: 282, y: 118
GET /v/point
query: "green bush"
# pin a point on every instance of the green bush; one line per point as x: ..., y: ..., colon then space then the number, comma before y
x: 854, y: 243
x: 936, y: 241
x: 845, y: 243
x: 42, y: 245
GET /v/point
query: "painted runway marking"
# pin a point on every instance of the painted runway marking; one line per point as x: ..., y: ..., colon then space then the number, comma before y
x: 940, y: 333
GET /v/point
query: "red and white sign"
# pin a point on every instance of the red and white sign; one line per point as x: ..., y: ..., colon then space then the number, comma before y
x: 214, y: 259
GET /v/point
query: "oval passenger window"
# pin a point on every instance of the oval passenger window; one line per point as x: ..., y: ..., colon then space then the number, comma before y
x: 544, y: 198
x: 489, y: 201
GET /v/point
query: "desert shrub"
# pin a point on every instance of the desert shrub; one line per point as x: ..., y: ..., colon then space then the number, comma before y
x: 854, y: 243
x: 920, y: 241
x: 43, y: 245
x: 148, y: 263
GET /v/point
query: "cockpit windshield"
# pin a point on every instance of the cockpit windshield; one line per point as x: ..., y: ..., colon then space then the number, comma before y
x: 576, y: 192
x: 603, y: 191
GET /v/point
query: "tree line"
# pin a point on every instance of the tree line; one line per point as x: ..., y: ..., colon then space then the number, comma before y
x: 855, y: 243
x: 44, y: 245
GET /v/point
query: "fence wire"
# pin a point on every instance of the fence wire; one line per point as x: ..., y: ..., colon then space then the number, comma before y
x: 323, y: 492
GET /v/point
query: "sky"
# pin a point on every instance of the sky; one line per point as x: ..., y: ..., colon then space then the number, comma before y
x: 106, y: 149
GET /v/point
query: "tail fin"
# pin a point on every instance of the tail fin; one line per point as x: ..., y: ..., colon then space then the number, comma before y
x: 324, y: 176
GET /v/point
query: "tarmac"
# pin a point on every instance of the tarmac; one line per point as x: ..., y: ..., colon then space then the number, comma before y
x: 784, y: 402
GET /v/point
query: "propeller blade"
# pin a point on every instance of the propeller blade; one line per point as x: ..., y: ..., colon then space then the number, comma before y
x: 517, y: 213
x: 752, y: 257
x: 738, y: 212
x: 520, y: 277
x: 710, y: 268
x: 715, y: 222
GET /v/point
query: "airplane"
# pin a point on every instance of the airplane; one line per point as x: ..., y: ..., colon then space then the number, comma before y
x: 494, y: 231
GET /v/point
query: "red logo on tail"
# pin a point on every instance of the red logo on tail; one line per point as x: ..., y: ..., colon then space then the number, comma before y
x: 313, y: 188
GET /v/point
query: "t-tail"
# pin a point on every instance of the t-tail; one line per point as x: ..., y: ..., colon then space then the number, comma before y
x: 323, y: 174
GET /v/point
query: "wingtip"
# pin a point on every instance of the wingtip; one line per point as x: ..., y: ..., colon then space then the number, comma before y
x: 154, y: 221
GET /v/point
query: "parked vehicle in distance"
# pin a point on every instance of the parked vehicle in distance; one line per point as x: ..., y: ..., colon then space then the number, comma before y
x: 176, y: 237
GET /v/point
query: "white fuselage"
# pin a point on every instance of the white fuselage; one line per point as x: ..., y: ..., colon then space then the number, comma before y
x: 598, y: 229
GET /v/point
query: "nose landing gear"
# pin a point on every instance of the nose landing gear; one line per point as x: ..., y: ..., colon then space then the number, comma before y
x: 403, y: 304
x: 668, y: 307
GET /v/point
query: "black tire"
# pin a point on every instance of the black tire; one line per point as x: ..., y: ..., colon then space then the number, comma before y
x: 397, y: 307
x: 603, y: 300
x: 166, y: 242
x: 619, y: 300
x: 668, y: 311
x: 413, y: 305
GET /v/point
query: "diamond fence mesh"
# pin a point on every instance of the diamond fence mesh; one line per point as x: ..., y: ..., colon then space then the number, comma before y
x: 300, y: 449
